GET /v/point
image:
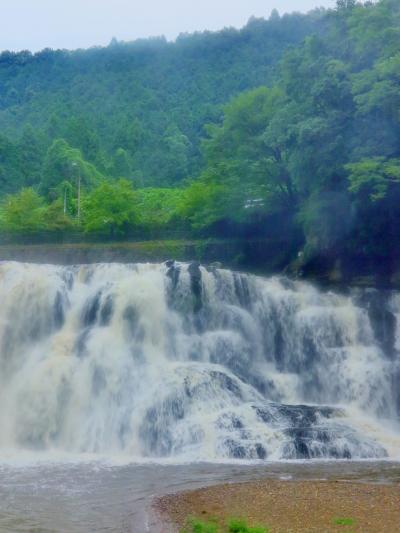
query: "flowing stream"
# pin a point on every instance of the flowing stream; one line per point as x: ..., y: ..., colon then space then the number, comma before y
x: 176, y: 363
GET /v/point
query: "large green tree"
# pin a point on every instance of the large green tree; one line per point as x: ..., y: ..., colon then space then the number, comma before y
x: 111, y: 208
x: 65, y: 165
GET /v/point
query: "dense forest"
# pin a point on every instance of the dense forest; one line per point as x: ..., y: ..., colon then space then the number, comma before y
x: 288, y: 128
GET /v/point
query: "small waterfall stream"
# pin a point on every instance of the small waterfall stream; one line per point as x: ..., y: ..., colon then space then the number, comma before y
x: 182, y: 362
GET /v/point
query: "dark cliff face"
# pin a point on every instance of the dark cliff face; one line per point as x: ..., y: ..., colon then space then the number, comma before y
x: 346, y: 269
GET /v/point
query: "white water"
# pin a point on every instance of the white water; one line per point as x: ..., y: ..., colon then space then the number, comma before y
x: 157, y: 361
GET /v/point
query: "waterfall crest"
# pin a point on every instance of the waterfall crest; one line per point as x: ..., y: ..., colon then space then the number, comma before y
x: 179, y: 361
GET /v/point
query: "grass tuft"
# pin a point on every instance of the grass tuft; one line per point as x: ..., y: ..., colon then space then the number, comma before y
x: 195, y: 526
x: 234, y: 526
x: 239, y: 526
x: 344, y: 521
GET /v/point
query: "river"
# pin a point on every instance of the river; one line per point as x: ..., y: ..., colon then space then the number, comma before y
x: 184, y: 374
x: 99, y: 496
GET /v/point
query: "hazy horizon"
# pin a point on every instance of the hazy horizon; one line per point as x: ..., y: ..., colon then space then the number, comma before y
x: 60, y: 24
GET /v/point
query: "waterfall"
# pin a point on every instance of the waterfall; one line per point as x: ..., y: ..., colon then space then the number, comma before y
x: 183, y: 362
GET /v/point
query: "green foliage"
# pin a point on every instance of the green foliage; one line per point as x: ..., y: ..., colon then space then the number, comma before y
x: 27, y: 212
x: 234, y: 526
x: 320, y: 147
x: 344, y: 521
x: 54, y: 218
x: 150, y: 98
x: 326, y: 219
x: 201, y: 527
x: 203, y: 203
x: 239, y: 526
x: 158, y: 207
x: 244, y: 175
x: 121, y: 166
x: 64, y: 164
x: 374, y: 179
x: 111, y: 208
x: 227, y: 133
x: 23, y: 212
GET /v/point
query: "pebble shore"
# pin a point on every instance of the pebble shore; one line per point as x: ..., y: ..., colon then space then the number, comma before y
x: 290, y: 506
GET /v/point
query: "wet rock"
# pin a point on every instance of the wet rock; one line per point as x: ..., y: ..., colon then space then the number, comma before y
x: 173, y: 273
x: 107, y: 311
x: 383, y: 321
x: 235, y: 450
x: 157, y: 428
x: 80, y: 344
x: 242, y: 290
x: 196, y: 285
x: 91, y: 310
x: 214, y: 266
x: 59, y: 315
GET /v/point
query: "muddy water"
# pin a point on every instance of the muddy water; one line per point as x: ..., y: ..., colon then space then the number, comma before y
x: 99, y: 497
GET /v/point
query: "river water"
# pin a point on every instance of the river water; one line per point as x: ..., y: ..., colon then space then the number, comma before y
x: 184, y: 373
x: 84, y: 497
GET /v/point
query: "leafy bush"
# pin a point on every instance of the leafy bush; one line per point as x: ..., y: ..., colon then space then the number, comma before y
x: 234, y: 526
x: 201, y: 527
x: 344, y: 521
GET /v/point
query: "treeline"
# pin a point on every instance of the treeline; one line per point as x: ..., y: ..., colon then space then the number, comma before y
x: 320, y: 149
x: 135, y: 110
x: 312, y: 153
x: 109, y: 208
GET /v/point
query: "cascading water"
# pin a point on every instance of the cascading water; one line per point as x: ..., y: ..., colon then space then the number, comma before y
x: 174, y: 360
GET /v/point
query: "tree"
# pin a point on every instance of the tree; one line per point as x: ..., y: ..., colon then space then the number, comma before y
x: 176, y: 154
x: 203, y: 203
x: 80, y: 135
x: 374, y: 179
x: 345, y: 4
x: 241, y: 160
x: 111, y: 207
x: 23, y: 212
x: 54, y: 218
x: 150, y: 97
x: 66, y: 164
x: 326, y: 219
x: 121, y: 164
x: 31, y: 147
x: 11, y: 178
x: 158, y: 207
x: 375, y: 187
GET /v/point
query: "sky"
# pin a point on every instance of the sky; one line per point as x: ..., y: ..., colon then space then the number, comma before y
x: 37, y: 24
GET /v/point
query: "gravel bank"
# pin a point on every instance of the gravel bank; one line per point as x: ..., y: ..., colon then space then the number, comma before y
x: 291, y: 506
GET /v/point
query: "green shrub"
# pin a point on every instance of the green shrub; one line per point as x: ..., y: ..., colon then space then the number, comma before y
x: 235, y: 526
x: 344, y: 521
x: 201, y: 527
x: 239, y: 526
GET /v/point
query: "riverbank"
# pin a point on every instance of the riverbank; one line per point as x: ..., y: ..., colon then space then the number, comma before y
x: 290, y: 506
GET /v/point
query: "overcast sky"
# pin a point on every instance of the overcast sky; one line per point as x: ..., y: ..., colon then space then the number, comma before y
x: 37, y: 24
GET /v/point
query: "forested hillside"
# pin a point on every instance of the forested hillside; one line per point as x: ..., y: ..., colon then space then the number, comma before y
x: 133, y: 109
x: 237, y: 133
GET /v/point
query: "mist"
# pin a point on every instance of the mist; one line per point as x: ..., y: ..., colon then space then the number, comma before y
x: 76, y: 24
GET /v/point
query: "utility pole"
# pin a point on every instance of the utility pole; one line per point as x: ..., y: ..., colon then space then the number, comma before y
x: 75, y: 164
x: 65, y: 199
x: 79, y: 194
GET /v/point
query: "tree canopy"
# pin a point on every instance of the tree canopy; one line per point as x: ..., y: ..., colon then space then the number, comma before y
x: 289, y: 126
